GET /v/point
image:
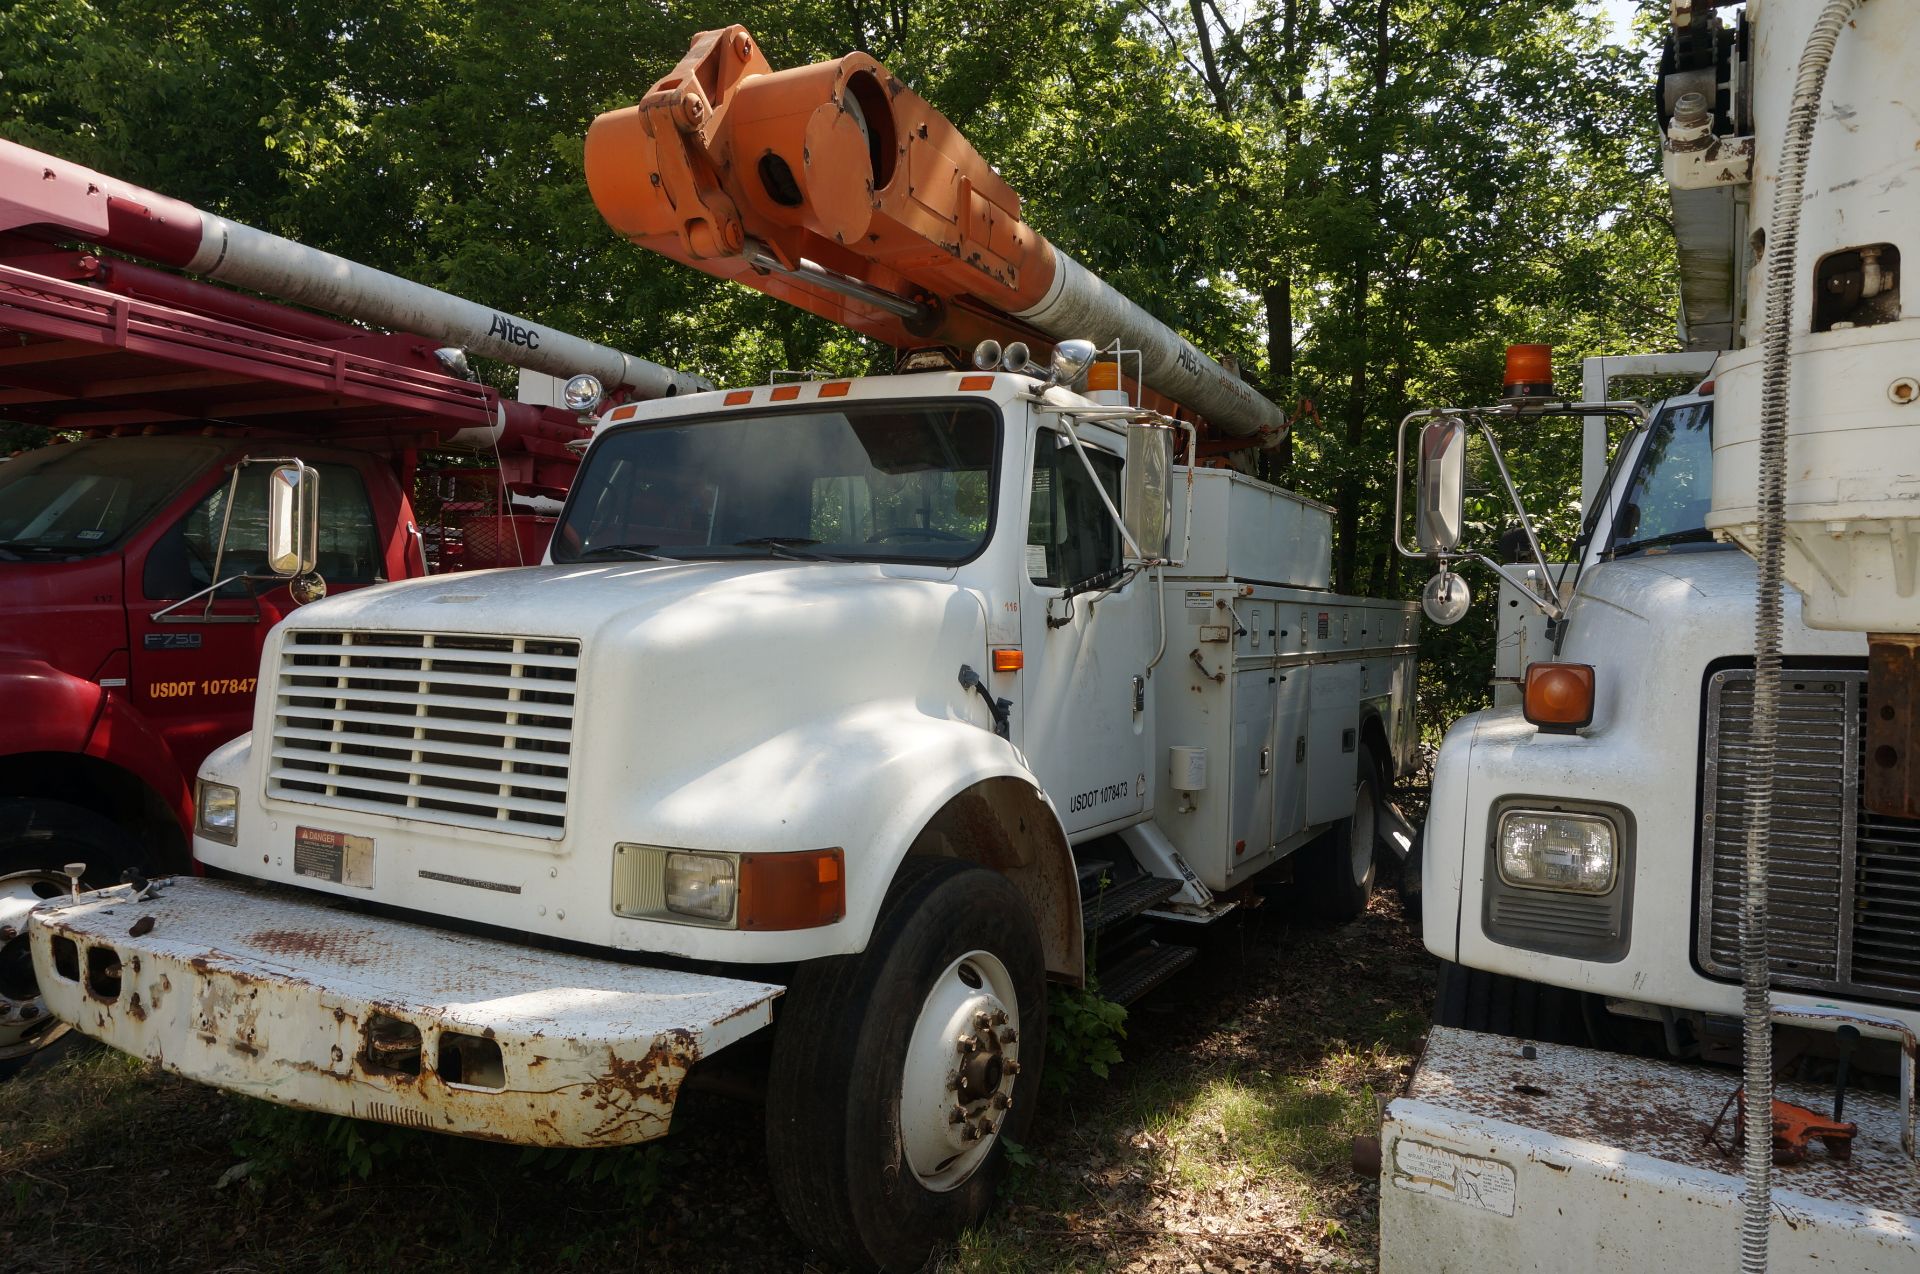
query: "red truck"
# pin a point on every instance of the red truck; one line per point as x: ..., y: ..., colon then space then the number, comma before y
x: 132, y: 601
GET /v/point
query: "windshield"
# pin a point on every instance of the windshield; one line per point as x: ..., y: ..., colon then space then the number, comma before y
x: 73, y: 499
x: 1666, y: 503
x: 880, y: 481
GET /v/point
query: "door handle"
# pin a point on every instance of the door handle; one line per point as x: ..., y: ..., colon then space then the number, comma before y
x: 1266, y: 762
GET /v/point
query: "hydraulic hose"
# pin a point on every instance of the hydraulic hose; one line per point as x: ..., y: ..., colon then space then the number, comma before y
x: 1782, y: 260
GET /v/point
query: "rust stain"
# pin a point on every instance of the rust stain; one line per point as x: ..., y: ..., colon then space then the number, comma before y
x: 343, y: 948
x: 135, y: 1009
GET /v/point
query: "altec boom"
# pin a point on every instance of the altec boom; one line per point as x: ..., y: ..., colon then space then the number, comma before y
x: 838, y: 189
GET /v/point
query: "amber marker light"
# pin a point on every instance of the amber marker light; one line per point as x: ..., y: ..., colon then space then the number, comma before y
x: 792, y: 891
x: 737, y: 397
x: 1529, y: 372
x: 1009, y: 660
x: 835, y: 388
x: 1559, y: 697
x: 1101, y: 375
x: 976, y: 382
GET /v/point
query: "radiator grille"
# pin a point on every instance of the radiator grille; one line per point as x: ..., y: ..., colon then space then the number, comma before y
x: 1844, y: 893
x: 445, y: 728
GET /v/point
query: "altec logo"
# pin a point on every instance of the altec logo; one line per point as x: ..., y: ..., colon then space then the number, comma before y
x: 512, y: 333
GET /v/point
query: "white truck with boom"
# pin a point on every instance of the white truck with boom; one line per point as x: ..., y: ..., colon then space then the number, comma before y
x: 842, y: 712
x: 1687, y: 837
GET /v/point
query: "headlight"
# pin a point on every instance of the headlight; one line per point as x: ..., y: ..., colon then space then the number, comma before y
x: 702, y: 886
x: 216, y: 813
x: 1548, y: 850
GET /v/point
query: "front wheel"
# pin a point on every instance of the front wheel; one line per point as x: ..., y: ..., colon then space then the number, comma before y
x: 37, y: 839
x: 899, y: 1073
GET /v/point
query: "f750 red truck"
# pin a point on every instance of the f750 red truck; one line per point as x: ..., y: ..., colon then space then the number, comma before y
x: 131, y: 612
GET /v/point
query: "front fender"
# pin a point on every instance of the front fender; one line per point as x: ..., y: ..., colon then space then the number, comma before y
x: 868, y: 782
x: 48, y: 710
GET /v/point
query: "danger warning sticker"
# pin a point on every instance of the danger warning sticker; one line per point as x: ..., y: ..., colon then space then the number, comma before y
x: 336, y: 856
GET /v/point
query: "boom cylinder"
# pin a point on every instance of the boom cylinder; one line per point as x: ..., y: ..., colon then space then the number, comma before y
x: 41, y: 192
x: 837, y: 188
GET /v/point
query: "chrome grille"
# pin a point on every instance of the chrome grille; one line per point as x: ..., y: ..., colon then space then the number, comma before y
x: 1844, y: 889
x: 443, y: 727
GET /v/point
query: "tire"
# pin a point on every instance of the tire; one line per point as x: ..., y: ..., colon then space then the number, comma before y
x: 1338, y: 870
x: 37, y: 839
x: 851, y: 1166
x: 1496, y: 1004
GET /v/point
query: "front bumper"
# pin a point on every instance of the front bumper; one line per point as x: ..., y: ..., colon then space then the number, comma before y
x: 1581, y: 1158
x: 285, y: 997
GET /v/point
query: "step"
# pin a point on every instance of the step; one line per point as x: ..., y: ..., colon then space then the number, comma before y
x: 1143, y: 970
x: 1103, y: 908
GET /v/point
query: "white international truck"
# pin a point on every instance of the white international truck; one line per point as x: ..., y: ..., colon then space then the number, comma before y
x: 1679, y: 859
x: 843, y: 711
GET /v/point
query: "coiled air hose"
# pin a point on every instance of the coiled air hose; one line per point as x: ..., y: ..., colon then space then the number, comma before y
x: 1782, y: 259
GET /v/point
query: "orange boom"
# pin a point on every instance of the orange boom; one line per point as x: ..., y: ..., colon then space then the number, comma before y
x: 838, y: 189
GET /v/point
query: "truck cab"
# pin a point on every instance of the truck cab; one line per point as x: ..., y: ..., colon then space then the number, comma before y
x: 1581, y: 874
x: 848, y: 709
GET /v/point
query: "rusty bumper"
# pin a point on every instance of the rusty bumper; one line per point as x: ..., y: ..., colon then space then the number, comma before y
x: 281, y: 996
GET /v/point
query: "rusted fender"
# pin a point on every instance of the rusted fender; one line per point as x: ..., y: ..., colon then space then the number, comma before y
x: 276, y: 995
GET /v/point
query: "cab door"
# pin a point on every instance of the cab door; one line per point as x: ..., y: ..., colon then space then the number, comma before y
x: 1088, y: 629
x: 195, y: 669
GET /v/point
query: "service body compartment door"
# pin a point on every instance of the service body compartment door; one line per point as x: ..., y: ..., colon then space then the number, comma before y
x: 1250, y: 828
x: 1290, y: 750
x: 1333, y: 741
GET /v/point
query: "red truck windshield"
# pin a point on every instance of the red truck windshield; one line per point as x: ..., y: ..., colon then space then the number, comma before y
x: 76, y: 499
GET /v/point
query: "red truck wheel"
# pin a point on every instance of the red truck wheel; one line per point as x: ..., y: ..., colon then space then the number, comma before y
x: 898, y: 1074
x: 37, y: 839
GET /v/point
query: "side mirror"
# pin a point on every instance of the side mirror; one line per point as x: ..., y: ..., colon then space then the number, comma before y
x: 1441, y: 486
x: 1147, y: 507
x: 293, y: 519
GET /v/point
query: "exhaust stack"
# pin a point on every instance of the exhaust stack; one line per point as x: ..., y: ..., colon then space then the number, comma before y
x: 38, y: 191
x: 840, y: 190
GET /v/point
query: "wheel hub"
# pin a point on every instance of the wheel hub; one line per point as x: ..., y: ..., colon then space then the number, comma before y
x: 25, y: 1023
x: 962, y: 1064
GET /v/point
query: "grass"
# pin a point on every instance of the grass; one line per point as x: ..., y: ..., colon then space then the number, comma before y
x: 1221, y: 1142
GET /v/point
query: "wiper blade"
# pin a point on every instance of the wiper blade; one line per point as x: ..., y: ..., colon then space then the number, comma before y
x: 788, y: 546
x: 642, y: 552
x: 18, y: 547
x: 1692, y: 535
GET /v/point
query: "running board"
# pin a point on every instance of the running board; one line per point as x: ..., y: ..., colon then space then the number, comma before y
x: 1145, y: 969
x: 1101, y: 909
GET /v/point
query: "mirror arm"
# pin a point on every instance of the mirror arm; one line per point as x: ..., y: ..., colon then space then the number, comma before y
x: 1526, y: 522
x: 220, y: 545
x: 1551, y: 607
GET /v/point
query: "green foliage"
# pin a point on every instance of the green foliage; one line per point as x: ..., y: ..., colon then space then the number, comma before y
x: 1084, y: 1030
x: 1361, y: 202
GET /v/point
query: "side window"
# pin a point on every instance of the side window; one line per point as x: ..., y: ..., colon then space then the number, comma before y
x: 1070, y: 537
x: 181, y: 563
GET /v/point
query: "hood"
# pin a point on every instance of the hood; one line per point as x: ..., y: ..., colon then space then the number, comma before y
x: 1700, y: 600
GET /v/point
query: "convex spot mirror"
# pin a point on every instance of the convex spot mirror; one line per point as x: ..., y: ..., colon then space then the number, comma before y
x: 1148, y: 505
x: 293, y: 519
x: 1441, y: 484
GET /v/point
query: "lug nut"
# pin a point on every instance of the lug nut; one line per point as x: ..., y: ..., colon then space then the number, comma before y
x: 1002, y: 1102
x: 1008, y: 1035
x: 970, y: 1133
x: 999, y: 1017
x: 968, y: 1043
x: 982, y: 1020
x: 1012, y: 1067
x: 958, y: 1116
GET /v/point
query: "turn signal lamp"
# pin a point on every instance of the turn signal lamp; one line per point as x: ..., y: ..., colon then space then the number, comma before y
x: 1009, y: 660
x: 792, y: 891
x: 1559, y: 697
x: 1529, y: 373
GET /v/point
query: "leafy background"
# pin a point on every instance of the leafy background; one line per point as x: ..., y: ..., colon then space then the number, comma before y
x: 1362, y: 201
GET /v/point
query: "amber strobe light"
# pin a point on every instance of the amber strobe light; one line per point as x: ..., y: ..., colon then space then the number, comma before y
x: 1529, y: 372
x: 1560, y: 696
x: 792, y: 891
x: 1103, y: 374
